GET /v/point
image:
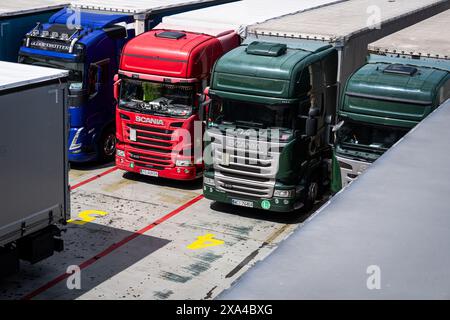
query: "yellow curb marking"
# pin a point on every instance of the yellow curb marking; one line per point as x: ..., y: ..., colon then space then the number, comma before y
x: 204, y: 242
x: 87, y: 216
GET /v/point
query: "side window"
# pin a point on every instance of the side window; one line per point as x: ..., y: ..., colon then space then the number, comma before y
x: 99, y: 76
x: 316, y: 92
x: 445, y: 92
x: 93, y: 79
x: 104, y: 73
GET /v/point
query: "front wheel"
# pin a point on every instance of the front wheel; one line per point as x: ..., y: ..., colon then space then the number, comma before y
x: 107, y: 145
x: 312, y: 193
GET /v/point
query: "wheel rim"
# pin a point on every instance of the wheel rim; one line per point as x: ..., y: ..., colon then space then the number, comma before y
x: 313, y: 191
x: 109, y: 145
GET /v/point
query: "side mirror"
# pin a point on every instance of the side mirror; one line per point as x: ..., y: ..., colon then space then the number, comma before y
x: 314, y: 112
x: 117, y: 82
x: 311, y: 127
x: 338, y: 126
x: 331, y: 131
x: 201, y: 98
x: 98, y: 86
x: 204, y: 103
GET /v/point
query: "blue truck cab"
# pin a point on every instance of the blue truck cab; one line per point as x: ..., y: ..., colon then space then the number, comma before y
x: 90, y: 50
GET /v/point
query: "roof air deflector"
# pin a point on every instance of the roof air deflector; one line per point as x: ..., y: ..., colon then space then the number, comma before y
x: 266, y: 49
x: 175, y: 35
x: 400, y: 69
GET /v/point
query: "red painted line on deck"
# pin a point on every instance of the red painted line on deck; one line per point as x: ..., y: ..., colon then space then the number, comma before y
x: 82, y: 183
x: 112, y: 248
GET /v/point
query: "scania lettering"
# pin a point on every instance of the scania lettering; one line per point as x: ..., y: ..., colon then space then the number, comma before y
x: 158, y: 122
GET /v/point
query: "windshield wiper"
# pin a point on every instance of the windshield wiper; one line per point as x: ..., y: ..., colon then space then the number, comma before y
x: 250, y: 124
x: 363, y: 147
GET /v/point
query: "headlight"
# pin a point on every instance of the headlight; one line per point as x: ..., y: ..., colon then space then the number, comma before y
x: 208, y: 181
x: 120, y: 153
x: 181, y: 112
x: 183, y: 163
x: 284, y: 193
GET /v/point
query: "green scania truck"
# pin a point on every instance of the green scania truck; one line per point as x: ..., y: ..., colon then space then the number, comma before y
x: 406, y: 77
x: 273, y: 98
x: 264, y: 132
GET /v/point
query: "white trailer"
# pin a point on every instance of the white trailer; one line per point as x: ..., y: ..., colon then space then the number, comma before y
x: 423, y: 40
x: 350, y: 26
x: 34, y: 187
x: 237, y: 16
x: 146, y: 13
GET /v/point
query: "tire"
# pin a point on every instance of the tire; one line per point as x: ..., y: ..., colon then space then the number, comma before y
x: 107, y: 145
x: 312, y: 193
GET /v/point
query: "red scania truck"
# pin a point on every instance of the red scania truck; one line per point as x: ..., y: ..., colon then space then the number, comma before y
x: 161, y: 79
x: 158, y: 89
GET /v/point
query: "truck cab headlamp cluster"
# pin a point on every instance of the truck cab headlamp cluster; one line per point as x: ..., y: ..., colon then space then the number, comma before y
x: 208, y: 181
x: 284, y: 193
x: 183, y: 163
x: 120, y: 153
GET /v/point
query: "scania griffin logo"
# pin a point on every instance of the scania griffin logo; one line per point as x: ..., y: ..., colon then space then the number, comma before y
x: 158, y: 122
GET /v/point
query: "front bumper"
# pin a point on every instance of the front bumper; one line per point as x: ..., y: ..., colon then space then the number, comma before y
x: 270, y: 204
x: 174, y: 173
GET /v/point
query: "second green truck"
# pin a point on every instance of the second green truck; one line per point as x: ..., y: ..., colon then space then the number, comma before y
x: 406, y: 77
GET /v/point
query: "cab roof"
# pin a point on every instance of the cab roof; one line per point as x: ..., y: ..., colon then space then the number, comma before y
x: 165, y: 46
x: 94, y: 20
x: 382, y: 79
x: 261, y: 69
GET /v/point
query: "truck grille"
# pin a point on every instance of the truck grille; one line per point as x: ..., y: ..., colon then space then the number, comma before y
x: 244, y: 172
x: 152, y: 147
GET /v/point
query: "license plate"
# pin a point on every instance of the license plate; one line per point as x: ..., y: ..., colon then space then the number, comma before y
x: 225, y: 159
x: 242, y: 203
x: 150, y: 173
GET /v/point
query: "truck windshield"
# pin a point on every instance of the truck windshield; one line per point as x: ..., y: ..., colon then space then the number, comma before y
x: 157, y: 97
x: 367, y: 137
x: 75, y: 69
x: 250, y: 115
